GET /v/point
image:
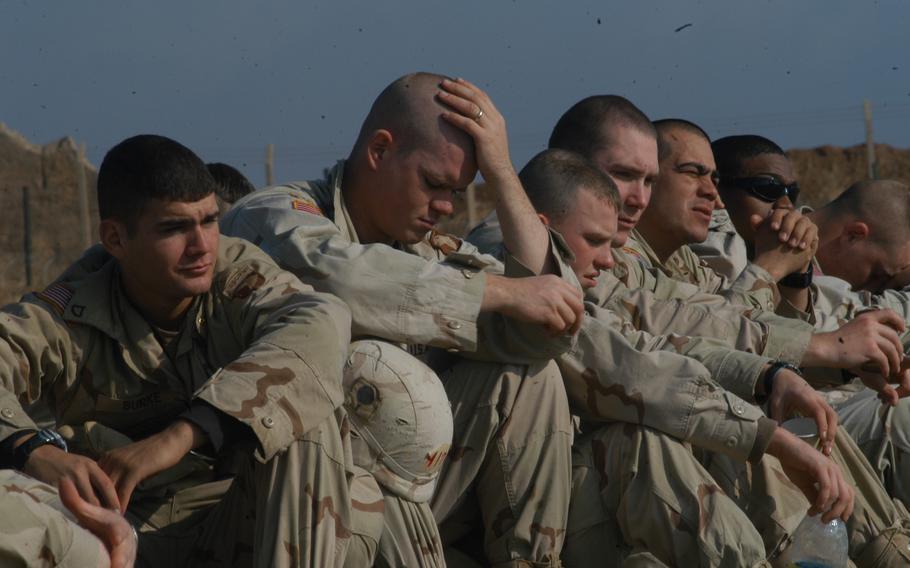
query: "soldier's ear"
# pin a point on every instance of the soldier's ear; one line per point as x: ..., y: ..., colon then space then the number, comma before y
x: 378, y: 147
x: 856, y: 230
x: 113, y: 237
x: 544, y: 219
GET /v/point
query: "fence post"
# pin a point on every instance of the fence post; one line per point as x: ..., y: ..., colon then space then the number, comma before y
x: 27, y: 241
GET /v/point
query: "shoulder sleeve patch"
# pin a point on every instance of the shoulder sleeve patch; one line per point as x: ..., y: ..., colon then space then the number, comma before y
x: 57, y: 296
x: 443, y: 242
x: 306, y: 206
x: 631, y: 251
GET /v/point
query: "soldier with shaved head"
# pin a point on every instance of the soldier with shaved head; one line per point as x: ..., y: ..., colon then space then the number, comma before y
x: 367, y: 234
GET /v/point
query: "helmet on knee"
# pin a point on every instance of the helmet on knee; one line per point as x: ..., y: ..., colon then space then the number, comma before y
x: 401, y: 418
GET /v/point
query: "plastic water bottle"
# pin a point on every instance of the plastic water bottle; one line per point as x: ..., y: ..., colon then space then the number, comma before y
x: 818, y: 545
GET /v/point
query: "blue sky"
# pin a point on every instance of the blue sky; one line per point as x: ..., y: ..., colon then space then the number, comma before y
x: 226, y: 78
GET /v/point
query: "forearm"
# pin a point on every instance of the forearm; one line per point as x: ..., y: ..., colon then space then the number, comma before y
x: 523, y: 234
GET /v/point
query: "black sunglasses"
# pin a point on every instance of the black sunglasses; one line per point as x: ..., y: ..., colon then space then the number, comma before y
x: 765, y: 188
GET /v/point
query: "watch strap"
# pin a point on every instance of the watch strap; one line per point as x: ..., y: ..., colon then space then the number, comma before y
x: 799, y: 280
x: 41, y: 438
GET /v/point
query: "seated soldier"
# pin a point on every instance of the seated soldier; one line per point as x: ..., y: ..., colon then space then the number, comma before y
x: 198, y: 385
x: 862, y: 242
x: 366, y: 233
x: 622, y: 142
x: 651, y: 488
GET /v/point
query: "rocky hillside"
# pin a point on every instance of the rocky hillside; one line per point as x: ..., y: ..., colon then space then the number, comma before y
x: 826, y: 171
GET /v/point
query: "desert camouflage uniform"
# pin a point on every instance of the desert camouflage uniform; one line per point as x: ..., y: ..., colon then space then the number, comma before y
x: 36, y: 529
x: 679, y: 494
x: 883, y: 433
x: 661, y: 305
x: 512, y: 432
x: 261, y: 348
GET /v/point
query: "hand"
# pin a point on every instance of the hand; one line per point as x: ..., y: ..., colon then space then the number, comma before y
x: 819, y: 478
x: 887, y: 393
x: 130, y: 464
x: 491, y: 141
x: 50, y: 464
x: 869, y: 342
x: 546, y: 300
x: 792, y: 395
x: 110, y: 527
x: 785, y: 241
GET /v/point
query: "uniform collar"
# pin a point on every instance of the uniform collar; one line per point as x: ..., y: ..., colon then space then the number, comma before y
x: 341, y: 216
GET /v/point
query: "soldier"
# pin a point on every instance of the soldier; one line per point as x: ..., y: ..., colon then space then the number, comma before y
x: 197, y: 385
x: 648, y: 468
x: 621, y: 141
x: 862, y: 240
x: 366, y: 233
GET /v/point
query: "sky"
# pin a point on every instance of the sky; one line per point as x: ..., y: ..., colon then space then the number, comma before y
x: 227, y: 78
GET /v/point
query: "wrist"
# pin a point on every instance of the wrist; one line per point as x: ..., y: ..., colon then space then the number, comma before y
x: 495, y: 294
x: 818, y: 352
x: 773, y: 268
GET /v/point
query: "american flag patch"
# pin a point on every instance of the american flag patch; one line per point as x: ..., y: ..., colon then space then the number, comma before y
x: 306, y: 206
x: 57, y: 295
x: 631, y: 251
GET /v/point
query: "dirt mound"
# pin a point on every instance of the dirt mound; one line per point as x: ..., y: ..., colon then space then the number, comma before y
x: 50, y: 176
x: 826, y: 171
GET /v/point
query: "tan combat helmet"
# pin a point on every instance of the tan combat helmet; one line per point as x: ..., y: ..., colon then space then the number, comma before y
x: 401, y: 417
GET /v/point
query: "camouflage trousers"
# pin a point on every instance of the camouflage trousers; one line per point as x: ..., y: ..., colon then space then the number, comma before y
x: 658, y: 501
x: 640, y: 498
x: 882, y: 433
x: 879, y: 529
x: 307, y: 506
x: 36, y: 530
x: 510, y: 461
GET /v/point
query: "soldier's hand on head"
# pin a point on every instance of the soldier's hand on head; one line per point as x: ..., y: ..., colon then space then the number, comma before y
x: 792, y: 395
x: 50, y: 464
x: 128, y: 465
x: 545, y: 300
x: 785, y: 242
x: 474, y: 112
x: 819, y: 478
x: 119, y: 538
x: 869, y: 342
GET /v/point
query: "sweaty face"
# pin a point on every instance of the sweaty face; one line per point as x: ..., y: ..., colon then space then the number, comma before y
x: 685, y: 193
x: 630, y: 159
x: 170, y: 255
x: 741, y: 204
x: 589, y: 230
x: 417, y: 189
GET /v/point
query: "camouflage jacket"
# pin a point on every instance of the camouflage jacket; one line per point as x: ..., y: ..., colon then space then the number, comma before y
x: 833, y: 300
x: 429, y: 293
x: 754, y: 287
x: 693, y: 388
x: 260, y: 347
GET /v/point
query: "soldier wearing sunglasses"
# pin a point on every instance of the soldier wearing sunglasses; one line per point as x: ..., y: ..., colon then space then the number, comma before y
x: 863, y: 255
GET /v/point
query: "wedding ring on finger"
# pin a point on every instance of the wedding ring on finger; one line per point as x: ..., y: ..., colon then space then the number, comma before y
x: 479, y: 114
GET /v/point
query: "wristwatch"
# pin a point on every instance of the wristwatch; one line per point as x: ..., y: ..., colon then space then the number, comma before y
x: 772, y: 371
x: 798, y: 279
x: 41, y: 438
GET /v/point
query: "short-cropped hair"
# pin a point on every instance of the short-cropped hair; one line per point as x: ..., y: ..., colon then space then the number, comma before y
x: 232, y: 185
x: 583, y: 127
x: 147, y: 167
x: 553, y: 178
x: 731, y: 151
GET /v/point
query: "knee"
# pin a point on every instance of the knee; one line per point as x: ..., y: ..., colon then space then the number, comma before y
x: 400, y: 416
